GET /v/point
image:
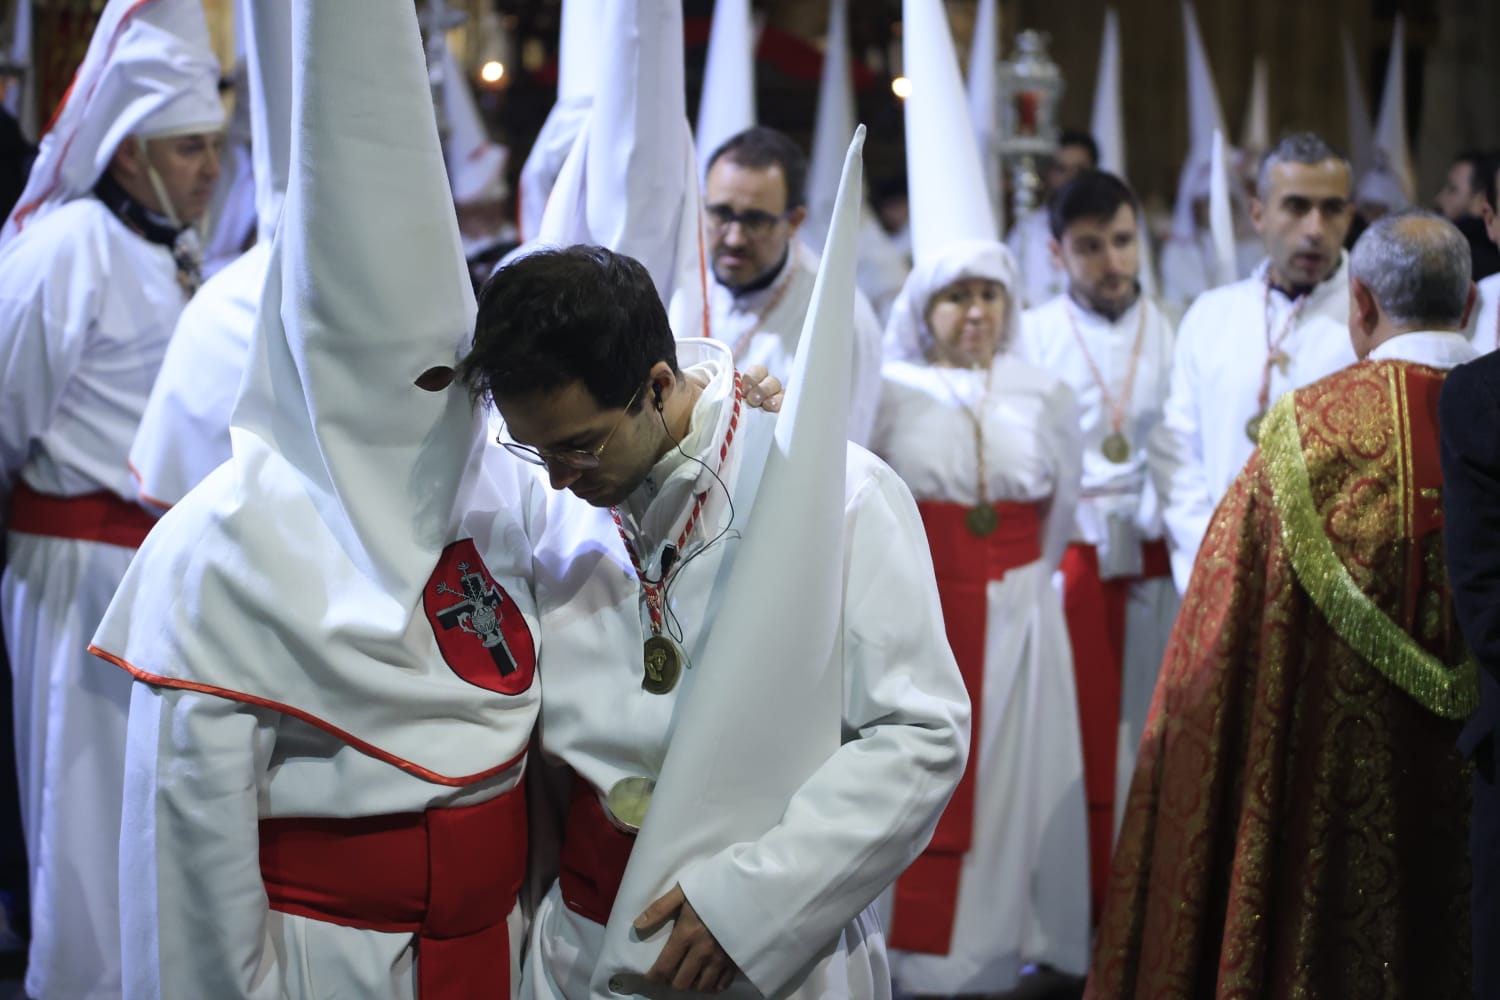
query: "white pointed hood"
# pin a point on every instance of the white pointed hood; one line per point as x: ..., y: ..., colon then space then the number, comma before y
x: 1221, y: 214
x: 726, y: 106
x: 579, y: 49
x: 149, y: 70
x: 1108, y: 122
x: 727, y: 775
x: 1205, y: 114
x: 476, y: 166
x: 984, y: 58
x: 20, y: 95
x: 268, y: 54
x: 313, y: 570
x: 831, y: 129
x: 630, y: 183
x: 1255, y: 138
x: 1389, y: 179
x: 1361, y: 135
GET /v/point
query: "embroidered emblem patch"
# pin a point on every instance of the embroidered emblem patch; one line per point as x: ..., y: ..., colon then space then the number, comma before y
x: 482, y: 635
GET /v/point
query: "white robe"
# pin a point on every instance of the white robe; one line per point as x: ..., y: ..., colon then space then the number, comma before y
x: 1024, y: 888
x: 770, y: 338
x: 86, y: 309
x: 1187, y: 266
x: 1202, y: 442
x: 184, y: 432
x: 1484, y: 324
x: 859, y: 819
x: 1116, y: 490
x: 1030, y: 240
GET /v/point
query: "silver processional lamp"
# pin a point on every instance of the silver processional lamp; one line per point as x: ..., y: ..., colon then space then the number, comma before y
x: 1030, y: 87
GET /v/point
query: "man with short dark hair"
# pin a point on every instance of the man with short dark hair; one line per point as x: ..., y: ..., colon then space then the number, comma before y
x: 635, y: 577
x: 1298, y: 820
x: 1030, y: 236
x: 1113, y: 347
x: 754, y: 201
x: 1242, y: 346
x: 1467, y: 189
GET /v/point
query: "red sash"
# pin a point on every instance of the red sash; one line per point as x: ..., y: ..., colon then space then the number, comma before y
x: 594, y: 855
x: 926, y: 896
x: 449, y: 876
x: 1095, y: 610
x: 93, y: 517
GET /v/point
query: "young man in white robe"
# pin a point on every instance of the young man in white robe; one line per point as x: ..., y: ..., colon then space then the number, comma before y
x: 1113, y: 347
x: 1241, y: 346
x: 331, y: 638
x: 763, y: 275
x: 96, y: 262
x: 664, y: 550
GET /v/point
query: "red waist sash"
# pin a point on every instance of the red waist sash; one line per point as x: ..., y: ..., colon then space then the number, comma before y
x: 92, y: 517
x: 449, y: 876
x: 594, y: 855
x: 926, y: 896
x: 1095, y: 610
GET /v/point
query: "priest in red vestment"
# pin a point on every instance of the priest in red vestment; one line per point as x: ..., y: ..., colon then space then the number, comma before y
x: 1297, y: 823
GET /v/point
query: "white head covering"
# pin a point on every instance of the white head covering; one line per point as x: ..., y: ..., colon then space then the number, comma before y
x: 1221, y: 214
x: 791, y: 673
x: 312, y: 570
x: 983, y: 101
x: 1361, y: 135
x: 1389, y: 179
x: 1204, y: 115
x: 579, y: 49
x: 630, y: 182
x: 268, y: 56
x: 149, y: 71
x: 831, y: 129
x: 476, y: 166
x: 1255, y: 140
x: 954, y: 233
x: 1108, y: 122
x: 726, y: 105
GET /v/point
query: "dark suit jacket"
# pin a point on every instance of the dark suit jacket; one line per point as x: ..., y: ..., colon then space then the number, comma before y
x: 1469, y: 417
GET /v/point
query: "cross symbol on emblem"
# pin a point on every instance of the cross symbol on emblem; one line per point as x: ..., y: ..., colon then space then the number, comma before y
x: 477, y: 612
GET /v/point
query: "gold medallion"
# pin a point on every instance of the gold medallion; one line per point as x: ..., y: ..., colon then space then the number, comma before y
x: 663, y: 665
x: 1116, y: 448
x: 1252, y: 428
x: 628, y: 801
x: 981, y: 520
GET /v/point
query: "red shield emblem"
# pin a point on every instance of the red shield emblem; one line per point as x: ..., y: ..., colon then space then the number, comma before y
x: 480, y: 632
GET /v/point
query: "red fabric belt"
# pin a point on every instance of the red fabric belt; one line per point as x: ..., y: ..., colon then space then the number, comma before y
x: 594, y: 855
x: 1095, y: 611
x: 93, y: 517
x: 926, y: 896
x: 449, y: 876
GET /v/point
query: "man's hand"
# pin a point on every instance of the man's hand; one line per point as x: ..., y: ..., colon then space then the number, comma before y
x: 692, y: 959
x: 762, y: 389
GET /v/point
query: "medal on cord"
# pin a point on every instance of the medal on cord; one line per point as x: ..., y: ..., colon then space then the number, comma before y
x: 661, y: 656
x: 1275, y: 356
x: 981, y: 519
x: 1116, y: 446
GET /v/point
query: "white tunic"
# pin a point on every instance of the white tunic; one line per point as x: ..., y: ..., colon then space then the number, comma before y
x: 1116, y: 492
x: 1216, y: 378
x: 763, y: 328
x: 1024, y: 891
x: 86, y: 308
x: 859, y: 819
x: 1030, y: 240
x: 1484, y: 325
x: 1187, y: 266
x: 184, y: 432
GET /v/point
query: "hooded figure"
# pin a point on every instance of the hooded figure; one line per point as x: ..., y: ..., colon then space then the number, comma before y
x: 989, y: 446
x: 726, y: 105
x: 1388, y: 182
x: 95, y: 261
x: 476, y: 165
x: 335, y: 673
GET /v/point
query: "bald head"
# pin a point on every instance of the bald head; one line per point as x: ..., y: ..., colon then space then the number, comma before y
x: 1409, y: 271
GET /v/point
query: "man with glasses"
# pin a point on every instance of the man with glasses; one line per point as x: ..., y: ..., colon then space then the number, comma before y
x: 754, y: 203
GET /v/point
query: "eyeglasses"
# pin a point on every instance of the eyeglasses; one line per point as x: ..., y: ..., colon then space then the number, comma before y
x: 753, y: 222
x: 577, y: 459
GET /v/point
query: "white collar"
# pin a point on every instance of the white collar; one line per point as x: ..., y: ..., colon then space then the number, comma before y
x: 1337, y: 282
x: 1435, y: 348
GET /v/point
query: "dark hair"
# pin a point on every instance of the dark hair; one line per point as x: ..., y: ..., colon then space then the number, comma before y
x: 1298, y: 147
x: 760, y: 147
x: 1488, y: 167
x: 555, y: 317
x: 1476, y: 159
x: 1078, y: 137
x: 1093, y: 194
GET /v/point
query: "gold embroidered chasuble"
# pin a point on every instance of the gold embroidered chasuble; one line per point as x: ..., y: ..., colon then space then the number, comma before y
x: 1297, y: 825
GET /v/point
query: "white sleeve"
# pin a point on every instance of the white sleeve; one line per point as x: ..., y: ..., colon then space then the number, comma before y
x: 864, y: 389
x: 1062, y: 437
x: 193, y: 908
x: 1175, y: 456
x: 867, y: 812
